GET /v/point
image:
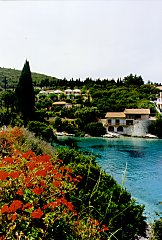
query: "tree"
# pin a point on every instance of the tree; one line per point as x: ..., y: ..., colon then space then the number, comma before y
x: 156, y: 127
x: 25, y: 94
x: 133, y: 80
x: 95, y: 129
x: 41, y: 130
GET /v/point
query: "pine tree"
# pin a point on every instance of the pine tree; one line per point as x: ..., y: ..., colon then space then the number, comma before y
x: 25, y: 94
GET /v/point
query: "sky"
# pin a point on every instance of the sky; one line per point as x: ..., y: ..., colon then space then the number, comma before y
x: 83, y: 38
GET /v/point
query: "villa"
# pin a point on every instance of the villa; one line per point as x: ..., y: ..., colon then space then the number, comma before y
x: 159, y: 100
x: 131, y: 122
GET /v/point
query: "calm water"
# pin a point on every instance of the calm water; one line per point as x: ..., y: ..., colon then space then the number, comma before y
x: 143, y: 159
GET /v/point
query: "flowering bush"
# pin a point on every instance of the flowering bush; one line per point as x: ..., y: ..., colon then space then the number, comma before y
x: 35, y: 200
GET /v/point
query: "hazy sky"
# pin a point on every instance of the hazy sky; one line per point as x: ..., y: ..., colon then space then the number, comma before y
x: 83, y: 38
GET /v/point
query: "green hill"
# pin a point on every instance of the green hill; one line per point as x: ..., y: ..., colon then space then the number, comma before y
x: 12, y: 77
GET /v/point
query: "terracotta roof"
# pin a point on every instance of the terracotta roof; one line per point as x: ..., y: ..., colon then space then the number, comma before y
x: 137, y: 111
x: 160, y: 88
x: 115, y: 115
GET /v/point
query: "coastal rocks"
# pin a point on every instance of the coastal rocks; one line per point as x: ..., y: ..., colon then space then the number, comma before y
x: 111, y: 135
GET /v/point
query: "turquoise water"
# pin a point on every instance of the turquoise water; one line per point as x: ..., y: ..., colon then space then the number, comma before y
x: 142, y: 160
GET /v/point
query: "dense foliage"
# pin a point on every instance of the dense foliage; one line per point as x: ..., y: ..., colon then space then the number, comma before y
x: 42, y: 130
x: 157, y: 229
x: 156, y: 127
x: 44, y: 197
x: 98, y: 97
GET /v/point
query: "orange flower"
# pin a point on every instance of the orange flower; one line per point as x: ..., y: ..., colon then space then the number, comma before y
x: 3, y: 175
x: 15, y: 205
x: 20, y: 192
x: 37, y: 190
x: 37, y: 213
x: 5, y: 209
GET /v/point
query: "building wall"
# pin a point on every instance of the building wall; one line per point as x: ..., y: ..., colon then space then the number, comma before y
x: 138, y: 129
x: 121, y: 121
x: 144, y: 117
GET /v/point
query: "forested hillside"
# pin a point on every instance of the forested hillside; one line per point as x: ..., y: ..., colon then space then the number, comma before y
x: 12, y: 77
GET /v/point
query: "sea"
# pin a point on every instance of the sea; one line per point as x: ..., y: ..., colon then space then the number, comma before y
x: 135, y: 163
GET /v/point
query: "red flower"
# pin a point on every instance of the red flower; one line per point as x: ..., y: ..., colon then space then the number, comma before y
x: 15, y: 205
x: 49, y: 167
x: 43, y: 159
x: 5, y: 209
x: 70, y: 177
x: 27, y: 180
x: 15, y: 175
x: 41, y: 173
x: 52, y: 204
x: 37, y: 190
x: 42, y: 183
x: 54, y: 171
x: 28, y: 154
x: 3, y: 175
x: 13, y: 217
x: 37, y: 213
x: 69, y: 170
x: 20, y: 192
x: 8, y: 159
x: 27, y: 205
x: 32, y: 165
x: 104, y: 228
x: 70, y: 206
x: 56, y: 184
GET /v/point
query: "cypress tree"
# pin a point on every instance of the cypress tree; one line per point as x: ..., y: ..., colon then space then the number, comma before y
x: 25, y: 94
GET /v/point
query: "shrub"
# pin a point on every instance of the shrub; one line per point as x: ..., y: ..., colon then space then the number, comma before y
x: 41, y: 130
x: 106, y: 200
x: 35, y: 200
x: 157, y: 229
x: 95, y: 129
x: 45, y: 197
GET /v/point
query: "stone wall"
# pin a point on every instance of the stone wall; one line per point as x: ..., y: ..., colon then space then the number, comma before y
x: 138, y: 129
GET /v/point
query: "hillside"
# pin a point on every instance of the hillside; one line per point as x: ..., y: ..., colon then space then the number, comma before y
x: 12, y: 77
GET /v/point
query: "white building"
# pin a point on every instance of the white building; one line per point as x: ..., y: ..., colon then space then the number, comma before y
x: 131, y: 122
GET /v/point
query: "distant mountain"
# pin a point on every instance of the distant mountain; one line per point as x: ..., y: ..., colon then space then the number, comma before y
x: 12, y: 77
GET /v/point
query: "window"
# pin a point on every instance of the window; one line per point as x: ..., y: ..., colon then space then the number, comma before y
x: 117, y: 121
x: 109, y: 121
x: 120, y: 129
x: 111, y: 129
x: 129, y: 122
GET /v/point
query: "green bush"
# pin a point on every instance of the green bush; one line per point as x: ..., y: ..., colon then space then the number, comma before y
x: 157, y: 229
x: 41, y: 130
x: 156, y: 127
x: 95, y: 129
x: 104, y: 199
